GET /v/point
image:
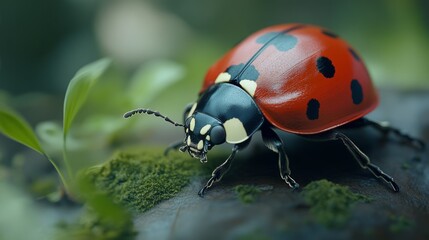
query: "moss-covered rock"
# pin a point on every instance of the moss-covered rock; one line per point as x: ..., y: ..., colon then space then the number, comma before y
x: 331, y: 203
x: 132, y: 181
x: 140, y: 179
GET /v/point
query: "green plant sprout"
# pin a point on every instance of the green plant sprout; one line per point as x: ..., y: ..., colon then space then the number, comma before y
x: 156, y: 76
x: 16, y: 128
x: 76, y: 95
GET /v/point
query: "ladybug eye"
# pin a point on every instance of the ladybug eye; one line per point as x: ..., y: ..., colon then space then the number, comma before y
x: 188, y: 122
x: 217, y: 135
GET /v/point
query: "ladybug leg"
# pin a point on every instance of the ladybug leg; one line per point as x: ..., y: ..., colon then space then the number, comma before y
x: 220, y: 171
x: 273, y: 142
x: 362, y: 159
x: 385, y: 128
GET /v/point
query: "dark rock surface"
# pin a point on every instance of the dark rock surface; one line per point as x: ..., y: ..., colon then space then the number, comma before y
x: 280, y: 213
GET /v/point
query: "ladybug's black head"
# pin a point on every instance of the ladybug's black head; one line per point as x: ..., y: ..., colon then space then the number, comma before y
x: 202, y: 132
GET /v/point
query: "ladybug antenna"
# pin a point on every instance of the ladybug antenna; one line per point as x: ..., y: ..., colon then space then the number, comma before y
x: 150, y: 112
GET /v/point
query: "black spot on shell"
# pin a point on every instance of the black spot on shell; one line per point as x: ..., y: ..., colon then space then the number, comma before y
x: 357, y: 92
x: 237, y: 73
x: 282, y: 41
x: 313, y: 109
x: 234, y: 70
x: 329, y: 34
x: 354, y: 54
x: 325, y: 67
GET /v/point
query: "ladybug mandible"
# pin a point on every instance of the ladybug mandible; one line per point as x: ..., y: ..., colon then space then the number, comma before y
x: 297, y: 78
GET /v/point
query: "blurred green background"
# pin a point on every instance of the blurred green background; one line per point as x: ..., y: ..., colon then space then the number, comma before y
x: 161, y: 51
x: 43, y: 43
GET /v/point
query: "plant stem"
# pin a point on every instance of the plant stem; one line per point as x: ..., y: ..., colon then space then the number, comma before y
x: 66, y: 161
x: 63, y: 179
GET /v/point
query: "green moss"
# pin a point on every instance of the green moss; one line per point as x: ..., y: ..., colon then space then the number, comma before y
x: 399, y: 224
x: 331, y: 203
x: 141, y: 179
x: 102, y: 217
x: 247, y: 193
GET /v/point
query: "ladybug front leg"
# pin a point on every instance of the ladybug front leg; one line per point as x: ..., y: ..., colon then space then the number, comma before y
x: 219, y: 171
x: 273, y: 142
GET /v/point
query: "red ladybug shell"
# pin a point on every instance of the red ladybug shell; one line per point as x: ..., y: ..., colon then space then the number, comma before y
x: 304, y: 79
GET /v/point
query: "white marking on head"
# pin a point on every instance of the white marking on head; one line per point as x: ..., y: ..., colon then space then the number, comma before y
x: 200, y: 145
x: 192, y: 124
x: 205, y: 129
x: 235, y: 131
x: 194, y: 106
x: 249, y: 86
x: 188, y: 141
x: 223, y: 77
x: 208, y: 137
x: 186, y: 130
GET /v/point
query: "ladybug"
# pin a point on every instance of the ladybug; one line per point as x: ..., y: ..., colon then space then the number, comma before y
x: 296, y: 78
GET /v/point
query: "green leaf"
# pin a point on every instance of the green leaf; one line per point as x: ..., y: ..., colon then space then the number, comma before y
x: 78, y: 90
x: 16, y: 128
